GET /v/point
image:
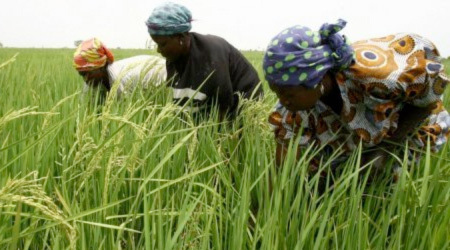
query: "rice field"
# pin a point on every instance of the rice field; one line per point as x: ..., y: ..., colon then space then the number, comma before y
x: 142, y: 173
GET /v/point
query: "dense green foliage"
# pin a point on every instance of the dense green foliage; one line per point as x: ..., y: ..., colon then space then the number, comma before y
x: 143, y: 174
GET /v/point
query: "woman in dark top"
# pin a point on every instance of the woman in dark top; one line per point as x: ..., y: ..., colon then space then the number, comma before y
x: 205, y: 68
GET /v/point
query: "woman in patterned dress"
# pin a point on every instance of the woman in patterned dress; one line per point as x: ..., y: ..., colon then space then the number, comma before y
x: 374, y: 91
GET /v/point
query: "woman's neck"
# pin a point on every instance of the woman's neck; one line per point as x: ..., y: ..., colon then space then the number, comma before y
x: 105, y: 80
x: 187, y: 45
x: 332, y: 95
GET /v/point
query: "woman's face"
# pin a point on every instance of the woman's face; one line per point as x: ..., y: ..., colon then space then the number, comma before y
x: 94, y: 77
x: 296, y: 98
x: 169, y: 46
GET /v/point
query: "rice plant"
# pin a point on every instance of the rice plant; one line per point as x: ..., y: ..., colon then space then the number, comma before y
x: 144, y: 173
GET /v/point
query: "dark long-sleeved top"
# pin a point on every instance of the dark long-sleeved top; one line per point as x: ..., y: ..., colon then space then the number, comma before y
x: 226, y: 71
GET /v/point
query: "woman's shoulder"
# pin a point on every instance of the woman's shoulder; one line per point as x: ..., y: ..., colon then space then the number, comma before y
x: 133, y: 65
x: 377, y: 58
x: 138, y: 59
x: 207, y: 37
x: 134, y: 61
x: 210, y: 42
x: 399, y: 43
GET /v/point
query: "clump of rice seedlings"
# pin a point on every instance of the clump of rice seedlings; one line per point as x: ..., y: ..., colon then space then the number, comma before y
x: 29, y: 191
x: 16, y: 114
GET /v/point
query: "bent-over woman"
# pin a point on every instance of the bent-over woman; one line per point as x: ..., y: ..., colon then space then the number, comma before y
x: 376, y: 91
x: 205, y: 68
x: 95, y: 63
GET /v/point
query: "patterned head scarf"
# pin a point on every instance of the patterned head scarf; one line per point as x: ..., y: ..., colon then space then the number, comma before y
x: 300, y: 56
x: 91, y: 54
x: 169, y: 19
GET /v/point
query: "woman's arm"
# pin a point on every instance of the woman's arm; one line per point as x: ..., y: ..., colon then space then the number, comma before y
x: 410, y: 118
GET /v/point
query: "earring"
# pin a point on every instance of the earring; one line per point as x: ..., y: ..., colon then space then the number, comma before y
x: 181, y: 42
x: 322, y: 89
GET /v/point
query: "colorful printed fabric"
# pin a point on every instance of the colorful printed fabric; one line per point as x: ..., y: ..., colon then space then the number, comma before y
x: 91, y: 54
x: 169, y: 19
x: 388, y: 73
x: 299, y: 56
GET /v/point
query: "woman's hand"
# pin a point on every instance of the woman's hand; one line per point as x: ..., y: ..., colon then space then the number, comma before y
x: 410, y: 119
